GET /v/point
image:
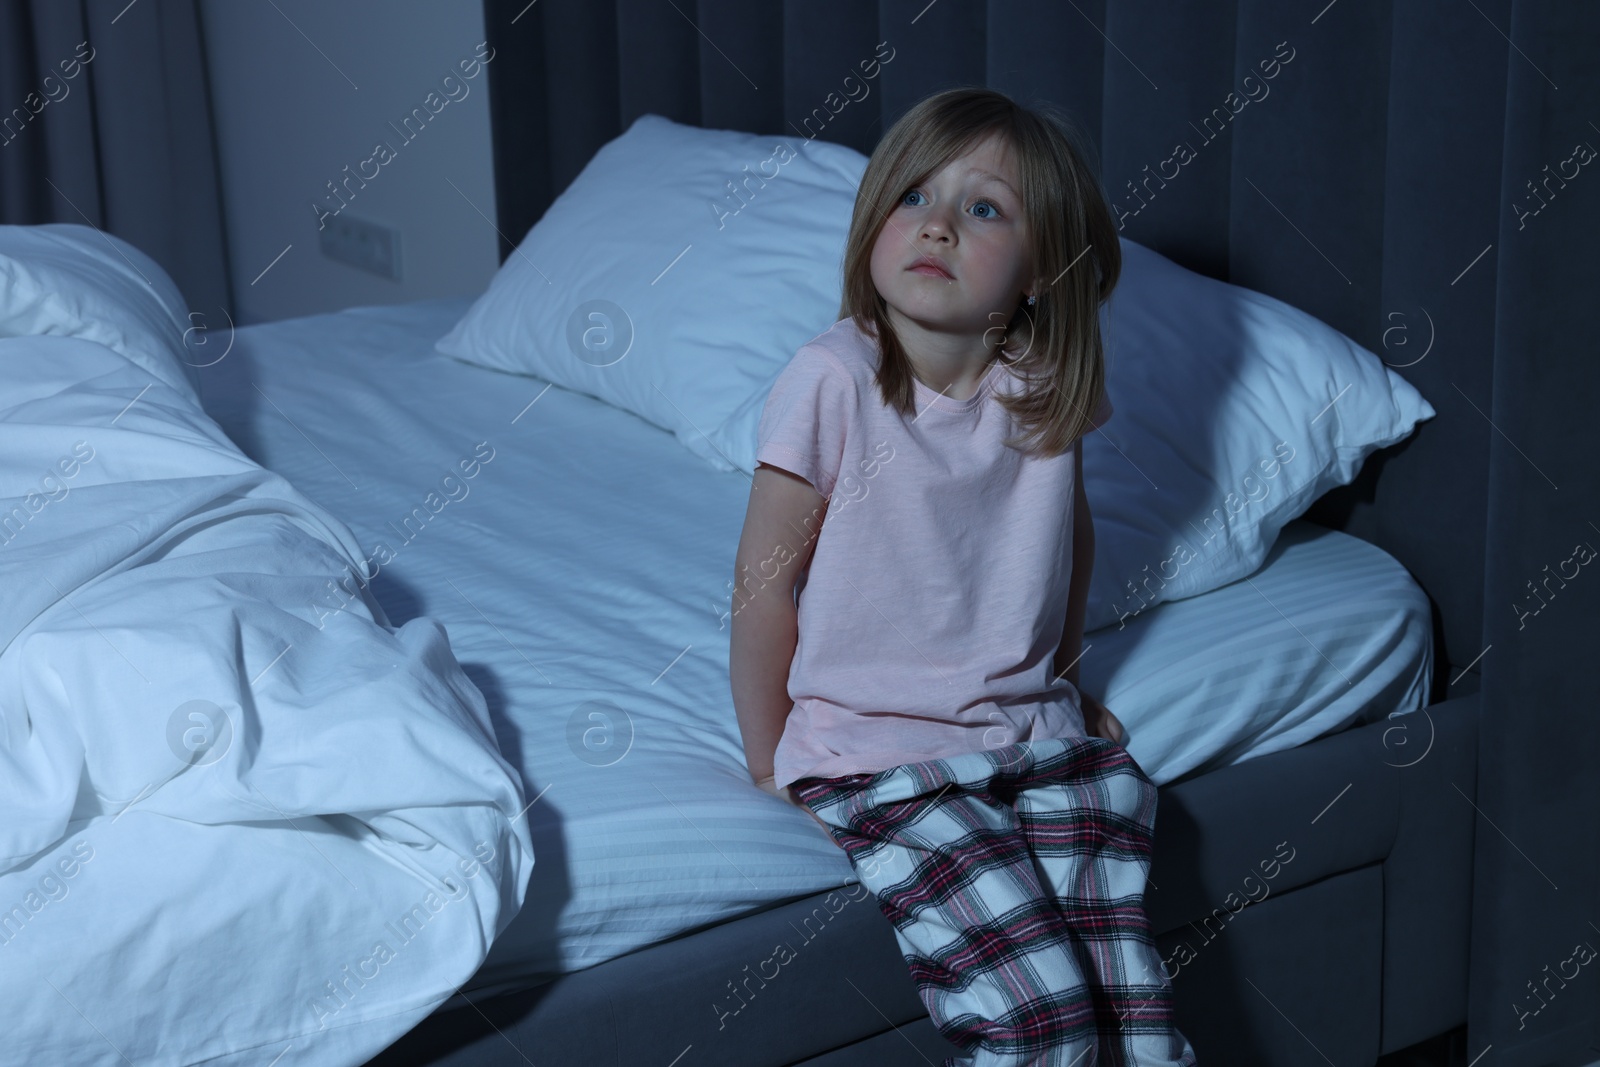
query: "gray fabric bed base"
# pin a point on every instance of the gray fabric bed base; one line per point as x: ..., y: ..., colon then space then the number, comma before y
x: 1313, y: 902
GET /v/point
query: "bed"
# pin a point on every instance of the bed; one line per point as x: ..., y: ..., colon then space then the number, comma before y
x: 647, y: 834
x: 524, y: 705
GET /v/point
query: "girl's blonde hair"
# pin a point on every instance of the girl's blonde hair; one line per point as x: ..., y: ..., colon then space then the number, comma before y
x: 1055, y: 344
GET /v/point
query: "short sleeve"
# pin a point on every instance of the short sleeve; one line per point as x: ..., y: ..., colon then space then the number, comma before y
x: 807, y: 414
x: 1102, y: 414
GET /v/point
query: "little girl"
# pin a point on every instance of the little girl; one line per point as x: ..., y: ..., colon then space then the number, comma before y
x: 921, y: 700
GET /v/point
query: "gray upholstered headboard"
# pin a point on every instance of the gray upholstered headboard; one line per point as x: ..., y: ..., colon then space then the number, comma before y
x: 1319, y: 184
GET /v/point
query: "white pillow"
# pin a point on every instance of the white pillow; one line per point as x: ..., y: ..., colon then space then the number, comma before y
x: 1224, y: 397
x: 77, y: 281
x: 649, y: 284
x: 1234, y: 412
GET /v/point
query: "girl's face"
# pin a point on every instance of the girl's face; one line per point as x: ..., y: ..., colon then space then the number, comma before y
x: 967, y: 217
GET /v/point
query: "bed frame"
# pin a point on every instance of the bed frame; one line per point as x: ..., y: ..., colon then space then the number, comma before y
x: 1413, y: 893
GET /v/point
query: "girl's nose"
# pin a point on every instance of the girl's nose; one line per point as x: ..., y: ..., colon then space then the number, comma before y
x: 937, y: 225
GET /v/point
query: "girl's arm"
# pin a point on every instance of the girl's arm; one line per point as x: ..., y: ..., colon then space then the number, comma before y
x: 780, y: 523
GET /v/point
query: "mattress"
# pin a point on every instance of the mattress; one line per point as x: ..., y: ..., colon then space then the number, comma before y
x: 581, y: 563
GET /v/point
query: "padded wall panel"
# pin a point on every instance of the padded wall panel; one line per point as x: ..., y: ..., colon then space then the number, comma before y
x: 1307, y: 195
x: 741, y: 65
x: 581, y: 61
x: 1047, y: 50
x: 1168, y: 182
x: 658, y: 61
x: 518, y: 101
x: 1437, y: 308
x: 824, y: 43
x: 945, y: 46
x: 1538, y: 838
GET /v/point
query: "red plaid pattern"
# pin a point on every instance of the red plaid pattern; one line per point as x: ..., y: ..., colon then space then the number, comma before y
x: 1014, y: 878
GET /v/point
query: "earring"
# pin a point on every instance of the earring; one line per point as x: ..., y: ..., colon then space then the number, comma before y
x: 1032, y: 299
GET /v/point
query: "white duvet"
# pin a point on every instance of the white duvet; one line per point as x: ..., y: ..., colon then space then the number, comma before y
x: 233, y: 828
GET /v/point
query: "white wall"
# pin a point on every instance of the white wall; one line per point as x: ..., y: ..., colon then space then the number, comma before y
x: 303, y: 89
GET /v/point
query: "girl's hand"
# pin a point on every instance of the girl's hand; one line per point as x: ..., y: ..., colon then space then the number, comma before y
x: 1098, y: 720
x: 787, y: 794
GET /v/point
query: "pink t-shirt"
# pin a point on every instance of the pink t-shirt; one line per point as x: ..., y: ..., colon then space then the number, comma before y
x: 936, y: 595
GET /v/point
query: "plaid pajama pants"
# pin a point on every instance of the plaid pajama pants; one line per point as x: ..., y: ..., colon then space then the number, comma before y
x: 1014, y: 878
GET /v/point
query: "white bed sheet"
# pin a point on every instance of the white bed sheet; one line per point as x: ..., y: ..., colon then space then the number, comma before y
x: 586, y: 568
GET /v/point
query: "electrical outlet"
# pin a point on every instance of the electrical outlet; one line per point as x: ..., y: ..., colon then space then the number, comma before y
x: 369, y: 246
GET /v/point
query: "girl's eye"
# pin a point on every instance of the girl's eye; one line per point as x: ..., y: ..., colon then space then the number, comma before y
x: 994, y: 210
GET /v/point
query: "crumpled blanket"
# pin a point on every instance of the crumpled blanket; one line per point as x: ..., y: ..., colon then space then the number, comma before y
x: 234, y: 825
